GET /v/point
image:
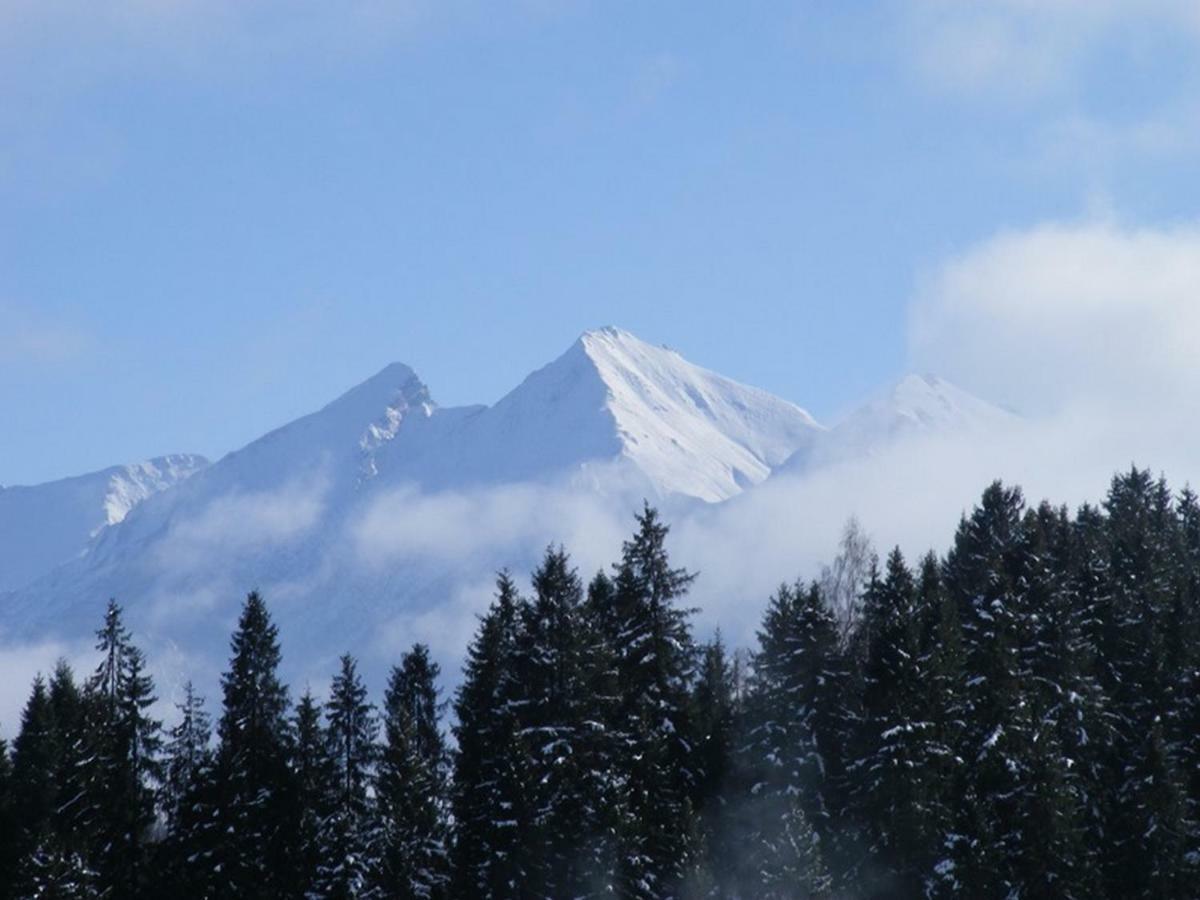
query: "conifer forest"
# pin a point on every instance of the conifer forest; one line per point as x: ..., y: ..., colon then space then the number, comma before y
x: 1019, y: 718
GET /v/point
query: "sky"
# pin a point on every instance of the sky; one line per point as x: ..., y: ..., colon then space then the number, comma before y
x: 217, y: 215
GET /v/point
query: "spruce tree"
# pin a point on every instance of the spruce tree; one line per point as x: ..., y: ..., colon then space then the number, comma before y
x: 985, y: 574
x: 492, y: 790
x: 413, y: 854
x: 561, y: 725
x: 654, y: 662
x: 185, y: 857
x: 253, y: 781
x: 123, y: 765
x: 893, y: 776
x: 34, y: 763
x: 314, y: 795
x: 794, y: 724
x: 8, y: 825
x: 716, y: 720
x: 349, y: 831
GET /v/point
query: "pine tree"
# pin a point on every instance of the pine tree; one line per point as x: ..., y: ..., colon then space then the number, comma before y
x: 253, y: 780
x: 492, y: 790
x: 1067, y: 709
x: 314, y: 779
x: 8, y: 825
x: 35, y: 760
x: 123, y: 764
x: 413, y: 856
x: 1162, y: 844
x: 71, y: 820
x: 52, y: 872
x: 348, y: 839
x: 794, y: 724
x: 561, y: 723
x: 893, y: 778
x: 185, y: 857
x: 985, y: 573
x: 716, y: 720
x: 1141, y: 531
x: 942, y: 661
x: 654, y: 664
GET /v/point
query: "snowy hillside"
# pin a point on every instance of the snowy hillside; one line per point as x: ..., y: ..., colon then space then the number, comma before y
x: 914, y: 407
x: 44, y: 525
x: 336, y: 515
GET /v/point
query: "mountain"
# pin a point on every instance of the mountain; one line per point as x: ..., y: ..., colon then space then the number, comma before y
x: 915, y: 407
x: 297, y: 512
x: 44, y: 525
x: 642, y: 414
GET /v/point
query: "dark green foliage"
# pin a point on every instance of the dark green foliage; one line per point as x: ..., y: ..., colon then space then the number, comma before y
x: 253, y: 781
x: 654, y: 663
x: 313, y: 774
x: 347, y: 834
x: 492, y: 791
x: 1019, y: 719
x: 794, y: 723
x: 186, y: 854
x: 123, y: 744
x: 412, y: 859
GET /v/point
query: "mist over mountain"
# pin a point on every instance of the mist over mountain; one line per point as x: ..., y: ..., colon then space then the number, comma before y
x: 382, y: 517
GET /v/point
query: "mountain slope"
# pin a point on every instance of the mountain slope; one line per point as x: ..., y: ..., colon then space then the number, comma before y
x: 613, y: 418
x: 44, y: 525
x: 916, y: 406
x: 612, y: 402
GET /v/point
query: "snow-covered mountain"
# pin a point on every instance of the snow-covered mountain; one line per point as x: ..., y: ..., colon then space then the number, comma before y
x: 381, y: 518
x: 44, y: 525
x: 915, y: 407
x: 612, y: 418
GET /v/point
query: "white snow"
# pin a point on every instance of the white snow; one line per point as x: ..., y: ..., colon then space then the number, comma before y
x: 45, y: 525
x: 612, y: 420
x: 915, y: 407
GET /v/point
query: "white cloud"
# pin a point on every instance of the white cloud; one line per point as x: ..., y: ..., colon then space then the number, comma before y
x: 485, y: 525
x: 1030, y: 47
x: 1064, y: 316
x: 27, y: 337
x: 20, y: 662
x: 241, y: 523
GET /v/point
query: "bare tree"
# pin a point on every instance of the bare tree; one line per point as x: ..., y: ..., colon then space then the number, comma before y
x: 843, y: 581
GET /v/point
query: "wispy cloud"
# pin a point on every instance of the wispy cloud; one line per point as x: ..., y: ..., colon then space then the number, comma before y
x: 30, y: 338
x: 1061, y: 315
x: 1028, y: 48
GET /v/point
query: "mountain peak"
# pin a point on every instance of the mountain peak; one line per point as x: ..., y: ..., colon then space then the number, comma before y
x: 688, y: 430
x: 915, y: 406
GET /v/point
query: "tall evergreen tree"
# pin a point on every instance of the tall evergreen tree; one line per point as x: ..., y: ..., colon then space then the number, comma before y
x: 8, y: 825
x: 254, y: 787
x: 185, y: 856
x: 492, y: 791
x: 893, y: 778
x: 716, y: 720
x: 984, y: 574
x: 794, y: 724
x: 314, y: 795
x: 123, y: 766
x: 35, y: 760
x: 561, y: 722
x: 413, y: 854
x: 654, y: 662
x: 349, y: 832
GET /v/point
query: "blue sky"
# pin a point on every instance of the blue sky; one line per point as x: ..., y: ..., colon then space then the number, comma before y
x: 216, y: 216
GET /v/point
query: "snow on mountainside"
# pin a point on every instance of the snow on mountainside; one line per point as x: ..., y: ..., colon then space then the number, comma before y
x: 382, y: 518
x: 611, y: 401
x: 44, y: 525
x: 916, y: 406
x: 612, y: 417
